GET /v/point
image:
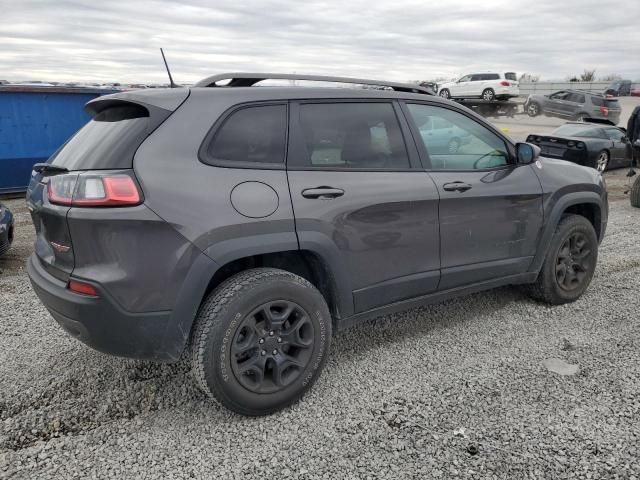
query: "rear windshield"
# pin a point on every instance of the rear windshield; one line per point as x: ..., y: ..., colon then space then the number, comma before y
x: 577, y: 130
x: 108, y: 141
x: 510, y: 76
x: 611, y: 103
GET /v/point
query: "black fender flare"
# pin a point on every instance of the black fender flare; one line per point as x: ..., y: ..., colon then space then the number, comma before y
x: 552, y: 220
x: 205, y: 267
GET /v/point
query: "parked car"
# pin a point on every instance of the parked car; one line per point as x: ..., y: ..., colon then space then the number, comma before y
x: 635, y: 90
x: 598, y: 146
x: 574, y: 104
x: 440, y: 135
x: 6, y: 229
x: 241, y: 226
x: 618, y: 88
x: 486, y: 85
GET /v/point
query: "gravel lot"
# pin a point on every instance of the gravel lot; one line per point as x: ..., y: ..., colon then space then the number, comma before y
x: 404, y: 396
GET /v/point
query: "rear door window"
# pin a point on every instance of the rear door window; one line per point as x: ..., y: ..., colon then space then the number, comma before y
x: 350, y: 136
x: 250, y: 136
x: 490, y: 76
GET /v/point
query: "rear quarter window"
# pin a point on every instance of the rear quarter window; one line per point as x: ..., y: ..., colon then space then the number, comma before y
x: 250, y: 136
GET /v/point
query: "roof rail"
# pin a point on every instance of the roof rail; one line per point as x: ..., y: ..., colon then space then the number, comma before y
x: 250, y: 79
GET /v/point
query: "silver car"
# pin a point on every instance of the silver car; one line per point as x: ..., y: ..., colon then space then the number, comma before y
x: 575, y: 105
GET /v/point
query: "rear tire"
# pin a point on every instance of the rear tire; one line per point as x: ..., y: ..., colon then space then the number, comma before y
x: 533, y: 109
x: 260, y: 341
x: 634, y: 195
x: 444, y: 93
x: 570, y: 262
x: 488, y: 94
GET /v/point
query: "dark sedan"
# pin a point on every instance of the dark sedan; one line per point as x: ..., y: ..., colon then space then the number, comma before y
x: 6, y: 229
x: 599, y: 146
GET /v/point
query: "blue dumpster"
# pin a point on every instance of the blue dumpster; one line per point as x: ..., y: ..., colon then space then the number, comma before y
x: 34, y: 122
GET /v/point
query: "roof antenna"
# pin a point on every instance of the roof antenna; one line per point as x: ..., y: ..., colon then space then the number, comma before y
x: 171, y: 83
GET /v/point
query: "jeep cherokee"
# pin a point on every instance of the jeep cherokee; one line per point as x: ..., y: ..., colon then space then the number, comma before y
x: 239, y: 226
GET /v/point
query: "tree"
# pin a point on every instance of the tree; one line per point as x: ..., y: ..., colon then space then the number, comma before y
x: 588, y: 76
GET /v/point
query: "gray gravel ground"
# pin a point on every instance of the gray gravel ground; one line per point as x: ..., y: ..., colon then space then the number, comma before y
x: 404, y: 396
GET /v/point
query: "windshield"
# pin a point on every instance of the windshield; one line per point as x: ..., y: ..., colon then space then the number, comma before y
x: 576, y: 130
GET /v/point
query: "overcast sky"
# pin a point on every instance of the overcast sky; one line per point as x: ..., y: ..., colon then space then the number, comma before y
x: 118, y: 40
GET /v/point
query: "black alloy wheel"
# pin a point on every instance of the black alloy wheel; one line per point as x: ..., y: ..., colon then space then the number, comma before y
x: 272, y: 346
x: 574, y: 262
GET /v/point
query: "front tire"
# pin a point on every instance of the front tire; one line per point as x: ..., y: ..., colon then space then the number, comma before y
x: 260, y: 341
x: 444, y: 93
x: 570, y: 262
x: 488, y: 94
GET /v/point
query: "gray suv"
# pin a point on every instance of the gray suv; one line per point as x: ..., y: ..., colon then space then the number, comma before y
x: 239, y: 226
x: 575, y: 105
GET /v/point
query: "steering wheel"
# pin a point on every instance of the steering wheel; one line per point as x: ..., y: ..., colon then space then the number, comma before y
x: 475, y: 164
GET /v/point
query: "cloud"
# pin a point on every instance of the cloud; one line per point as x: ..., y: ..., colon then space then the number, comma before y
x: 402, y: 40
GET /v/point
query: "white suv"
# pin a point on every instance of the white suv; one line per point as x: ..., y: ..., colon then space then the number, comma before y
x: 487, y: 85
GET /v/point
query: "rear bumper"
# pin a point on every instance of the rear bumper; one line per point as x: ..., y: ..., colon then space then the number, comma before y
x: 101, y: 323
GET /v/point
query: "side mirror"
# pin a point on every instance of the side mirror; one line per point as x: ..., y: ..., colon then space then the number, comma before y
x: 624, y: 139
x: 527, y: 153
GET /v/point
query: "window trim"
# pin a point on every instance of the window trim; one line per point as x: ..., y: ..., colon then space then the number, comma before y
x: 424, y: 153
x: 203, y: 152
x: 295, y: 147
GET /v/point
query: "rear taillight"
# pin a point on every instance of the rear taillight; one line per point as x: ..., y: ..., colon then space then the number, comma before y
x: 106, y: 190
x: 60, y: 189
x: 604, y: 111
x: 82, y: 288
x: 505, y: 84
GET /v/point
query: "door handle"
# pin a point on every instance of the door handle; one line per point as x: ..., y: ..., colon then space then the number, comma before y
x: 323, y: 193
x: 456, y: 187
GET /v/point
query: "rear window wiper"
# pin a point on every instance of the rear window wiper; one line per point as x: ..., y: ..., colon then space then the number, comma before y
x: 49, y: 168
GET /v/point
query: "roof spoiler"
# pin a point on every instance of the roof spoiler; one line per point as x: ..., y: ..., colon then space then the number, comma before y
x: 153, y: 98
x: 250, y: 79
x: 598, y: 120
